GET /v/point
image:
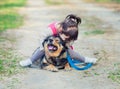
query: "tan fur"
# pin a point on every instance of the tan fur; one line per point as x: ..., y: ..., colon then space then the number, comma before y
x: 56, y: 53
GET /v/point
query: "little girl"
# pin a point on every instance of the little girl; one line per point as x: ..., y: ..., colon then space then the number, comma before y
x: 68, y: 31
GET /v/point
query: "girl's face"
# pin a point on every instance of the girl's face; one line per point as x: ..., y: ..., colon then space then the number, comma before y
x: 64, y: 37
x: 69, y: 35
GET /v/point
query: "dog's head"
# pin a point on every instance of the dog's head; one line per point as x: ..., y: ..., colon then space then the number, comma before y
x: 53, y: 45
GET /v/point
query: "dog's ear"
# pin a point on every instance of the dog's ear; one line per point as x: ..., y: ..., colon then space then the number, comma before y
x: 45, y: 40
x: 43, y: 43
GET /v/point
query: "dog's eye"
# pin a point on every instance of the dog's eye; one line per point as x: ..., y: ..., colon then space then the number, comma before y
x: 51, y: 40
x: 57, y: 40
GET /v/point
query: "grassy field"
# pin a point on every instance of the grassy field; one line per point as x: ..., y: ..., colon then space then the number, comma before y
x: 115, y: 1
x: 9, y: 17
x: 104, y: 1
x: 55, y: 2
x: 115, y: 75
x: 8, y: 62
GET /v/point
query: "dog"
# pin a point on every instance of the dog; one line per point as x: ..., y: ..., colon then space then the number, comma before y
x: 55, y: 54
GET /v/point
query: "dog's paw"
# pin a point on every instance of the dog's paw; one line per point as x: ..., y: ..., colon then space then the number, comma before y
x: 67, y: 67
x: 51, y: 68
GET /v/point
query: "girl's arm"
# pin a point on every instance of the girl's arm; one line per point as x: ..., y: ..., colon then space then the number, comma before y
x: 50, y: 30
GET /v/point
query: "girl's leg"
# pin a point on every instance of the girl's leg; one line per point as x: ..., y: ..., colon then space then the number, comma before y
x: 75, y: 55
x: 38, y: 54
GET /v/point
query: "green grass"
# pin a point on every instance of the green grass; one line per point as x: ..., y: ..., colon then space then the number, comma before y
x: 92, y: 22
x: 9, y: 17
x: 12, y: 84
x: 104, y: 1
x: 94, y: 32
x: 12, y: 3
x: 9, y: 58
x: 54, y: 2
x: 10, y: 20
x: 9, y: 62
x: 116, y: 1
x: 115, y: 75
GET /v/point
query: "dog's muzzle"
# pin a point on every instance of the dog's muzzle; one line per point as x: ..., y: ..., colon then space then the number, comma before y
x: 52, y: 47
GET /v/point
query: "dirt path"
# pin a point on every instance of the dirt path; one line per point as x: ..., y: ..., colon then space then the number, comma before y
x: 37, y: 16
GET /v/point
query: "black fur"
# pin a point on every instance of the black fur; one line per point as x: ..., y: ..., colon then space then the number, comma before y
x: 56, y: 61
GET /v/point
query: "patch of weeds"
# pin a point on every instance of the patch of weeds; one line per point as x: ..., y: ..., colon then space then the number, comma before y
x: 117, y: 65
x: 55, y: 2
x: 12, y: 3
x: 9, y: 57
x: 110, y: 1
x: 9, y: 62
x: 92, y: 22
x: 104, y: 1
x: 102, y: 55
x: 90, y: 73
x: 10, y: 20
x: 12, y: 84
x: 9, y: 17
x: 96, y: 74
x: 94, y: 32
x: 87, y: 73
x: 10, y: 39
x: 115, y: 75
x: 2, y: 39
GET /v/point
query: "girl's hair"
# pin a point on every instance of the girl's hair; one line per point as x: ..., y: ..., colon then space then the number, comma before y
x: 73, y: 19
x: 70, y: 26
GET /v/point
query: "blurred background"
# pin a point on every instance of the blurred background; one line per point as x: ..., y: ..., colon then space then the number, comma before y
x: 22, y: 23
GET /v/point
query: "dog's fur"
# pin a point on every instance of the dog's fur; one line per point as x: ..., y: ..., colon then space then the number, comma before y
x: 55, y: 54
